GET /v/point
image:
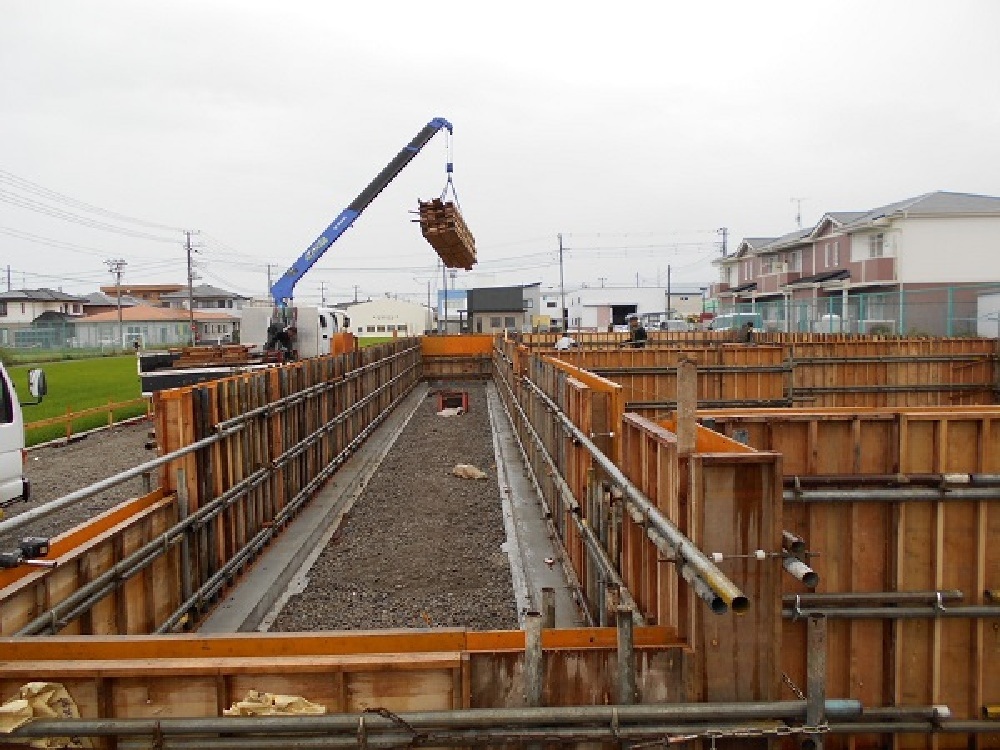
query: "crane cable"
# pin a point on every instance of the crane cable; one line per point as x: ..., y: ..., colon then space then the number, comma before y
x: 449, y: 170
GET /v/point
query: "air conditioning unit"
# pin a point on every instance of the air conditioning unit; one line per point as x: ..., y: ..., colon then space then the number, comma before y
x: 886, y: 327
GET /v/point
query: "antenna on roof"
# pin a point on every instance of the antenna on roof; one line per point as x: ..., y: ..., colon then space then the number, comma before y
x: 798, y: 210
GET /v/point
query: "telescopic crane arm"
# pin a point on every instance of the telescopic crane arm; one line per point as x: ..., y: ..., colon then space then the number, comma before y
x: 283, y: 288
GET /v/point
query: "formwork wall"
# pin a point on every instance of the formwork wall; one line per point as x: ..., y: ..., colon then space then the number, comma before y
x: 866, y: 545
x: 815, y: 370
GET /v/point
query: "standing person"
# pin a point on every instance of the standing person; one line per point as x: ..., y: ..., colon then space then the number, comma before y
x: 636, y: 333
x: 747, y: 337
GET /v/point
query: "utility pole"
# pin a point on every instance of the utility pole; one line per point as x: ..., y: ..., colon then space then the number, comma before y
x: 322, y: 293
x: 444, y: 286
x: 269, y: 283
x: 602, y: 279
x: 190, y: 271
x: 562, y: 289
x: 724, y: 231
x: 356, y: 293
x: 669, y: 300
x: 8, y: 278
x: 116, y: 266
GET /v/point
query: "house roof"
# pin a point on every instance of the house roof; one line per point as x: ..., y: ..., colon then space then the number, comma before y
x: 103, y: 300
x: 203, y: 291
x: 748, y: 287
x: 148, y: 314
x: 940, y: 202
x: 792, y: 238
x: 38, y: 295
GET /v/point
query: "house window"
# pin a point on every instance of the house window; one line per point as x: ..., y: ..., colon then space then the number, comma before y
x: 380, y: 329
x: 795, y: 260
x: 221, y: 303
x: 361, y: 329
x: 401, y: 329
x: 832, y: 253
x: 528, y: 304
x: 22, y: 308
x: 747, y: 270
x: 3, y: 309
x: 767, y: 264
x: 876, y: 245
x: 371, y: 329
x: 495, y: 321
x: 508, y: 322
x: 547, y: 304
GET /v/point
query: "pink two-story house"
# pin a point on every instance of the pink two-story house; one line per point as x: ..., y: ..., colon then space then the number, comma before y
x: 913, y: 266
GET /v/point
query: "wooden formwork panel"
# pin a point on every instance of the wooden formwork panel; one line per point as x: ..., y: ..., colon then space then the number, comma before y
x: 192, y: 676
x: 893, y: 546
x: 133, y: 607
x: 725, y: 374
x: 870, y: 441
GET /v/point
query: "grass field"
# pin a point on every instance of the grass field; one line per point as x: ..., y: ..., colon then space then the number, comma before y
x: 75, y: 385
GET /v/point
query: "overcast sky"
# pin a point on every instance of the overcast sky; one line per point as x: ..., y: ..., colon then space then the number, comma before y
x: 636, y: 129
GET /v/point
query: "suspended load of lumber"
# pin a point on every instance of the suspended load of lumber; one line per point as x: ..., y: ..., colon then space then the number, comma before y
x: 443, y: 227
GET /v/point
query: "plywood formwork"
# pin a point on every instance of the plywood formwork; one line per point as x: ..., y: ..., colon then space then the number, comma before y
x: 456, y: 357
x: 904, y: 545
x: 258, y: 446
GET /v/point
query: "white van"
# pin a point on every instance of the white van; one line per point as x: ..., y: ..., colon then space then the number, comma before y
x: 13, y: 485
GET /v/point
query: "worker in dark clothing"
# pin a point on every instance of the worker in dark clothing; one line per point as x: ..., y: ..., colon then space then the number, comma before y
x: 747, y: 337
x: 636, y: 333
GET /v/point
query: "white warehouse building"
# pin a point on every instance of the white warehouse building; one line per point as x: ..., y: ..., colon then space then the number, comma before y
x: 597, y: 308
x: 386, y: 317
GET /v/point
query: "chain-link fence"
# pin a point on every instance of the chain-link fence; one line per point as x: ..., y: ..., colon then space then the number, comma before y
x: 960, y: 310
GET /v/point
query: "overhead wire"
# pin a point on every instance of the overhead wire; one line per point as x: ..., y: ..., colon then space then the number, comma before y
x: 57, y: 197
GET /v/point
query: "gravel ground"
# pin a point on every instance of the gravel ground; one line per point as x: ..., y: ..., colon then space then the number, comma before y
x: 57, y: 470
x: 420, y: 548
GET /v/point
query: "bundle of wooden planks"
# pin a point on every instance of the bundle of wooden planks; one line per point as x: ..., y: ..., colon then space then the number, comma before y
x: 443, y: 227
x: 206, y: 356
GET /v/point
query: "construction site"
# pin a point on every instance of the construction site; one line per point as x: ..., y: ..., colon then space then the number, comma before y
x: 477, y: 540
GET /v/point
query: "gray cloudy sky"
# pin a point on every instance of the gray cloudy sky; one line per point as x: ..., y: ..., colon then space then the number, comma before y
x: 635, y: 128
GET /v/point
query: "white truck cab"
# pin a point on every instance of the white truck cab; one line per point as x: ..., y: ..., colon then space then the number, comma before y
x: 13, y: 485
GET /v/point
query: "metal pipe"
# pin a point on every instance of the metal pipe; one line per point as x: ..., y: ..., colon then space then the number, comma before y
x: 469, y: 718
x: 872, y: 597
x: 85, y: 597
x: 816, y: 670
x: 627, y: 692
x: 892, y: 613
x: 683, y: 548
x: 793, y: 543
x: 534, y: 668
x: 891, y: 495
x: 892, y: 480
x: 596, y: 552
x: 703, y: 590
x: 798, y: 569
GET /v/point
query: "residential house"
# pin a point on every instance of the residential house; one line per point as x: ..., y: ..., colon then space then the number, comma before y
x: 20, y: 308
x: 206, y: 297
x: 917, y: 265
x: 98, y: 302
x: 155, y: 327
x: 504, y: 308
x: 151, y: 294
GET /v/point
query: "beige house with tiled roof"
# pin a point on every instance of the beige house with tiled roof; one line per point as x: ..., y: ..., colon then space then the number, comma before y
x: 156, y: 327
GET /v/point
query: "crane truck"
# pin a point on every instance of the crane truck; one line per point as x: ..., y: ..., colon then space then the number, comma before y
x: 300, y: 331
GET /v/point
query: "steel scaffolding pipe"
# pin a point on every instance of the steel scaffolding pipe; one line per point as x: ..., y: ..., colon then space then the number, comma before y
x: 86, y: 596
x: 596, y: 553
x: 793, y: 542
x: 470, y: 718
x: 798, y: 569
x: 683, y: 548
x: 892, y: 495
x: 892, y: 480
x: 872, y: 597
x: 892, y: 613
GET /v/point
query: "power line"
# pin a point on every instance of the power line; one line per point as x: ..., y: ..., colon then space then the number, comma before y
x: 57, y: 213
x: 44, y: 192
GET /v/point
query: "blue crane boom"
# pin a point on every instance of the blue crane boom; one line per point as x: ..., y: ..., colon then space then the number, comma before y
x: 282, y: 290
